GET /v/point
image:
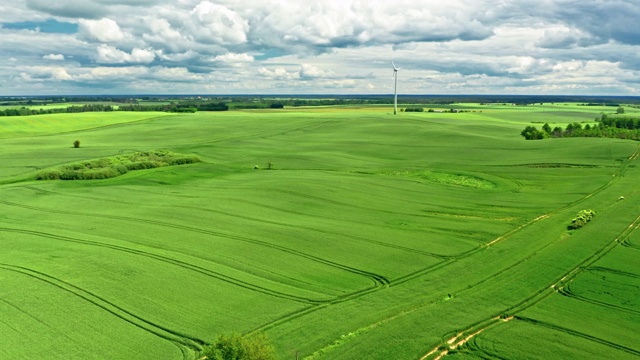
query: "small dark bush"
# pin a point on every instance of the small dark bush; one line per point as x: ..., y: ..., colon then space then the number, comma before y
x: 70, y: 175
x: 121, y: 169
x: 76, y: 144
x: 237, y: 347
x: 184, y: 160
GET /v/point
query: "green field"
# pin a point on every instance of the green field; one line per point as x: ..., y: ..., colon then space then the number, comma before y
x: 371, y: 236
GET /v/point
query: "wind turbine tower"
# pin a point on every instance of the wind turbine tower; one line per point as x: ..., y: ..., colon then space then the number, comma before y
x: 395, y: 88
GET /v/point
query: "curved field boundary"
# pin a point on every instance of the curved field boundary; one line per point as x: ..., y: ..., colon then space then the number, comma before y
x: 187, y: 344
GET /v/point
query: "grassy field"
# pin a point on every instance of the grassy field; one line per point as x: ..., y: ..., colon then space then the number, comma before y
x: 371, y: 236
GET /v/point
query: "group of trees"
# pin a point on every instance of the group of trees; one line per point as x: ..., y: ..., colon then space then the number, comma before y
x: 178, y: 108
x: 620, y: 127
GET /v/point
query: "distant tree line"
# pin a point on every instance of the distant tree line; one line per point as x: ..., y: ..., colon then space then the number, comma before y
x: 619, y: 127
x: 177, y: 108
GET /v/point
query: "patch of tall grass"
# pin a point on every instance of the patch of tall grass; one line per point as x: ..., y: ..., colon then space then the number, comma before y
x: 110, y: 167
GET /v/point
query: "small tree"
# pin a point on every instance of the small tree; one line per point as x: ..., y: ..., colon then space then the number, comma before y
x: 620, y: 110
x: 531, y: 133
x: 236, y: 347
x: 76, y: 144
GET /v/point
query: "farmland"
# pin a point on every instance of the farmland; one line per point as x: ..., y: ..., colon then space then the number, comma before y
x: 339, y: 232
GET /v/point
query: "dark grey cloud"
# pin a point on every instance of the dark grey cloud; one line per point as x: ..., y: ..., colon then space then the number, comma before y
x: 608, y: 20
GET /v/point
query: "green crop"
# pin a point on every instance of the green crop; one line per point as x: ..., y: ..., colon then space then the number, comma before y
x: 371, y: 236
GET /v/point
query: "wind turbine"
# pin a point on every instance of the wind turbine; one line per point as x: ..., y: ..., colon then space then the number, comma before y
x: 395, y: 88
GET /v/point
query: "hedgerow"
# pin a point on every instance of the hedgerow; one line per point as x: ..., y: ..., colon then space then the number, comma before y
x: 110, y: 167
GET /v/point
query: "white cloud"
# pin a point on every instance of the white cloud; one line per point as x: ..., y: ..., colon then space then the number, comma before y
x: 104, y: 30
x: 234, y: 59
x: 61, y: 74
x: 111, y: 55
x: 217, y: 24
x: 308, y: 71
x: 278, y: 74
x: 291, y: 46
x: 54, y: 57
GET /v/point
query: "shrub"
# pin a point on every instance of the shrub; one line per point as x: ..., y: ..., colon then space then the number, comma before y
x: 76, y: 144
x: 49, y: 175
x: 237, y: 347
x: 583, y: 217
x: 142, y: 165
x: 121, y: 169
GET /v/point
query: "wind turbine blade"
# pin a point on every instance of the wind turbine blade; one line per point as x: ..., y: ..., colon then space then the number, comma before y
x: 394, y: 66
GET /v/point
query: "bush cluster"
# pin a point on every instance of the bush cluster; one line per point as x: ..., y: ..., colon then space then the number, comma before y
x: 583, y: 217
x: 236, y: 347
x: 115, y: 166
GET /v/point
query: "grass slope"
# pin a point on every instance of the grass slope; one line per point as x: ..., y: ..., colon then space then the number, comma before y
x: 372, y: 236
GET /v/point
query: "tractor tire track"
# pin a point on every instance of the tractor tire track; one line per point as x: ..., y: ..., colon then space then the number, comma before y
x: 171, y: 261
x: 566, y: 291
x: 321, y: 231
x: 579, y: 334
x: 485, y: 323
x: 379, y: 280
x: 613, y: 271
x: 557, y: 286
x: 568, y: 276
x: 376, y: 242
x: 362, y: 239
x: 99, y: 127
x: 187, y: 344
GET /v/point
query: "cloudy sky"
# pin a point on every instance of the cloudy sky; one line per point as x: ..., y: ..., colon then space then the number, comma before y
x: 58, y: 47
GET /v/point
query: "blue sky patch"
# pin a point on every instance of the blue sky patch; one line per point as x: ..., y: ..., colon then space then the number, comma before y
x: 49, y: 26
x: 269, y: 54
